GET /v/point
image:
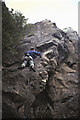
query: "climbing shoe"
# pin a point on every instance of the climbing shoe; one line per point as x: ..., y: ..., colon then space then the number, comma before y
x: 32, y: 68
x: 20, y: 67
x: 44, y: 80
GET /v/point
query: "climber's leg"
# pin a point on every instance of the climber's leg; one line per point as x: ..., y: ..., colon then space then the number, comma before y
x: 32, y: 64
x: 24, y: 64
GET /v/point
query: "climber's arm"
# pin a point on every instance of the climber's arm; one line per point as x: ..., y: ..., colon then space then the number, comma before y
x: 37, y: 53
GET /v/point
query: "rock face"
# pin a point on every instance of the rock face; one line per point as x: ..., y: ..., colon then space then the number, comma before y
x: 53, y: 88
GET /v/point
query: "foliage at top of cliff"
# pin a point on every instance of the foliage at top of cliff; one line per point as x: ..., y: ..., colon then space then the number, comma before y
x: 14, y: 26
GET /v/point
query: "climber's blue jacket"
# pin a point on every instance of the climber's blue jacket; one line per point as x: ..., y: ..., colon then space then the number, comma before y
x: 34, y: 53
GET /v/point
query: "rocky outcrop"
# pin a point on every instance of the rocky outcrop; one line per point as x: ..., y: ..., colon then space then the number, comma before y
x: 53, y: 88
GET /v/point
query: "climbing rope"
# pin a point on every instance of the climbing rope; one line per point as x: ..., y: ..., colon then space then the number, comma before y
x: 29, y: 78
x: 27, y: 107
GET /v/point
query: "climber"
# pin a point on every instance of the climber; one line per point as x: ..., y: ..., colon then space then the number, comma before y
x: 29, y: 57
